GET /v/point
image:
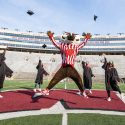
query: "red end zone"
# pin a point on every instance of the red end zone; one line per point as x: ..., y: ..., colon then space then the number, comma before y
x: 21, y: 100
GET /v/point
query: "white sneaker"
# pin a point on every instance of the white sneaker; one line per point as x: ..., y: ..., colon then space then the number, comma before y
x: 78, y: 93
x: 90, y: 91
x: 39, y: 90
x: 34, y: 90
x: 108, y: 99
x: 122, y: 96
x: 1, y: 96
x: 45, y: 92
x: 84, y: 94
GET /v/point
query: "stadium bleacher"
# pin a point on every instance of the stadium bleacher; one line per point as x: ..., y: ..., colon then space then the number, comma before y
x: 24, y: 49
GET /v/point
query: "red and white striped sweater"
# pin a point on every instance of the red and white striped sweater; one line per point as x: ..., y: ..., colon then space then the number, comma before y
x: 68, y: 51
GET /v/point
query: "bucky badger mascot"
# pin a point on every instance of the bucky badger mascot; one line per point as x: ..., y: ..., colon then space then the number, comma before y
x: 69, y: 49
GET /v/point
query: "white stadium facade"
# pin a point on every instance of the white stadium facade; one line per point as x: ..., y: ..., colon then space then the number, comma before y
x: 24, y: 49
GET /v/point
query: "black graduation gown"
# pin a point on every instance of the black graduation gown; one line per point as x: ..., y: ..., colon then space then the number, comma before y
x: 4, y: 71
x: 107, y: 74
x: 87, y: 76
x: 114, y: 79
x: 40, y: 73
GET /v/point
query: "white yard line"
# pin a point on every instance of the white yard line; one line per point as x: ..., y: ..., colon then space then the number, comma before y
x: 55, y: 109
x: 64, y: 119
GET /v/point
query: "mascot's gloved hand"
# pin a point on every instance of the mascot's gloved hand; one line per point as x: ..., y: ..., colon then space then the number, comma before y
x: 87, y: 35
x: 50, y: 34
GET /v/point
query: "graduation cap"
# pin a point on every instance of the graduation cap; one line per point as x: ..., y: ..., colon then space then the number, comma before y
x: 44, y: 45
x: 83, y: 34
x: 30, y: 12
x: 95, y: 17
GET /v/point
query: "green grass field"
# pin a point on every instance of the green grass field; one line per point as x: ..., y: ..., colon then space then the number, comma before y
x: 95, y: 119
x: 34, y: 120
x: 73, y: 119
x: 14, y: 84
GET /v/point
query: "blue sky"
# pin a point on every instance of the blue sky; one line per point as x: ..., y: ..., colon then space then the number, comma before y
x: 64, y: 15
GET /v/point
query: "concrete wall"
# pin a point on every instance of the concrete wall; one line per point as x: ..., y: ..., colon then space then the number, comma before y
x: 24, y: 64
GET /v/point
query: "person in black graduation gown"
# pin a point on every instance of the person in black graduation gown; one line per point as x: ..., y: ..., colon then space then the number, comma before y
x: 5, y: 71
x: 105, y: 66
x: 87, y: 76
x: 39, y: 77
x: 114, y: 79
x: 111, y: 78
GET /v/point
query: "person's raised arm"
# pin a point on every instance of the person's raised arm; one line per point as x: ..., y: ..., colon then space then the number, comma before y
x: 86, y: 38
x: 104, y: 66
x: 50, y: 34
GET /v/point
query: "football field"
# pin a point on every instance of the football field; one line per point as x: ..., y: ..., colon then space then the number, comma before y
x: 23, y: 89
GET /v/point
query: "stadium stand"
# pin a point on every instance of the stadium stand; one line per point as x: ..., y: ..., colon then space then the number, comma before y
x: 24, y: 49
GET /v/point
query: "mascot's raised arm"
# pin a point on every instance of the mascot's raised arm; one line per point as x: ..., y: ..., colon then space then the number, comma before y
x: 70, y: 38
x: 50, y: 35
x: 69, y: 48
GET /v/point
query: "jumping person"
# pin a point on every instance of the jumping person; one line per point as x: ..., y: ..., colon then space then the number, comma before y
x: 105, y: 66
x: 111, y: 78
x: 69, y: 50
x: 39, y: 77
x: 114, y: 79
x: 87, y: 76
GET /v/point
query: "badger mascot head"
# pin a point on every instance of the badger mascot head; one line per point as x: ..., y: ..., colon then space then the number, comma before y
x: 69, y: 38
